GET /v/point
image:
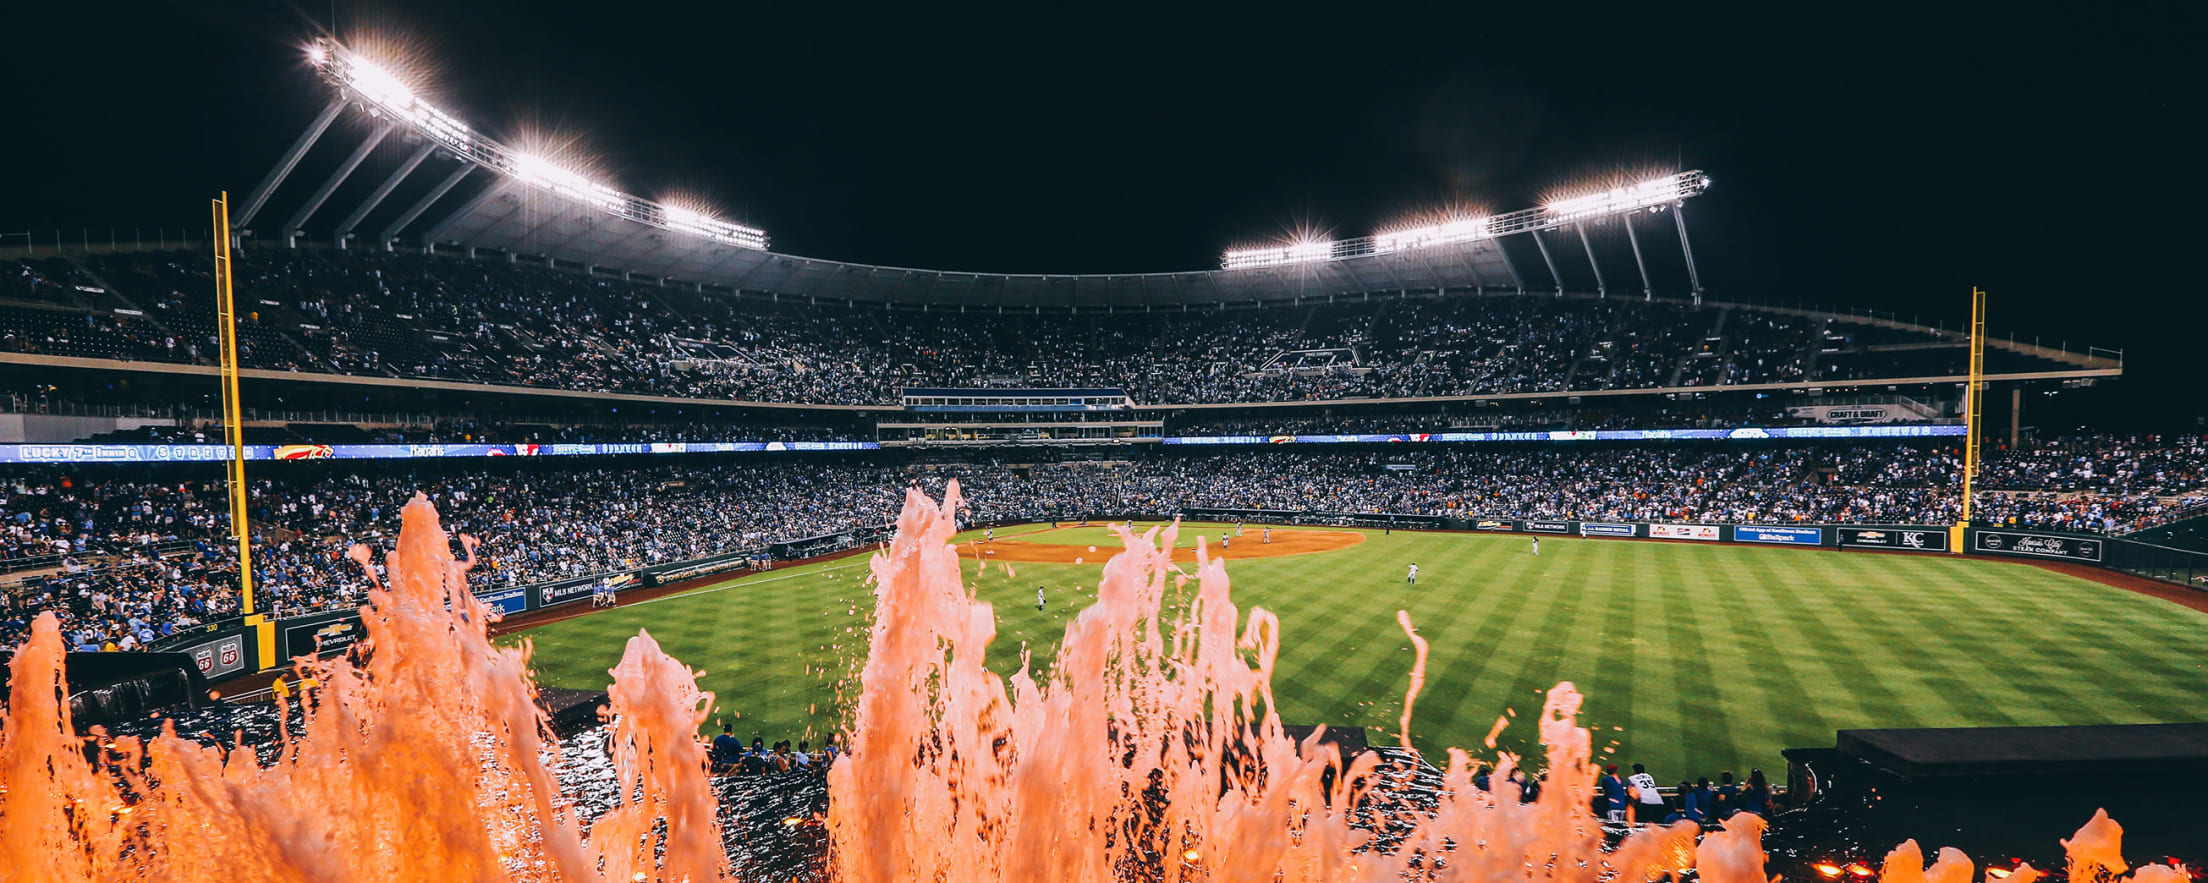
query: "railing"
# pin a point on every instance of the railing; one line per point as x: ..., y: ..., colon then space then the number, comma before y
x: 2184, y: 567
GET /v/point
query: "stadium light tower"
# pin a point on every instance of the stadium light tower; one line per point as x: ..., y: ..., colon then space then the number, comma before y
x: 1669, y: 192
x: 388, y: 97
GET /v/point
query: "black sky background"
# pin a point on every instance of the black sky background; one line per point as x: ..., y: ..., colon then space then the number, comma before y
x: 1876, y: 157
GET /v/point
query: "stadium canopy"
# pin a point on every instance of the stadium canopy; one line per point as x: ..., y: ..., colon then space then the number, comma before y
x: 463, y: 190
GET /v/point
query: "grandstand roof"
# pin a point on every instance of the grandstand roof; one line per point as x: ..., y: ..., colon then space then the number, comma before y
x: 463, y: 189
x: 517, y: 218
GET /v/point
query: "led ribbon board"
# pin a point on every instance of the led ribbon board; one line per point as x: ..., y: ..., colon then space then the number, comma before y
x: 76, y: 453
x: 1743, y: 433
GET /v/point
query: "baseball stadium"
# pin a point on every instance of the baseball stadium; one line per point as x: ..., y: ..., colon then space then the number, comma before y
x: 424, y: 503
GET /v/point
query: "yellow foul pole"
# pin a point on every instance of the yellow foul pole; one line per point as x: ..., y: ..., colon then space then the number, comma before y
x: 233, y: 409
x: 1974, y: 399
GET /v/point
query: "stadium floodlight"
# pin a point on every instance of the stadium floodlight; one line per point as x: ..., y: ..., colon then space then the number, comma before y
x: 1298, y: 252
x: 1463, y: 230
x: 389, y: 96
x: 1633, y: 197
x: 1651, y: 194
x: 540, y: 172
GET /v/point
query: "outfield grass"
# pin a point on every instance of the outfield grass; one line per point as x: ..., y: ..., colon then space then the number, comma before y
x: 1695, y: 658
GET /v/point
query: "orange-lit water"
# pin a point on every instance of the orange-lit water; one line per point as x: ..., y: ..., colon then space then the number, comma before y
x: 1150, y: 751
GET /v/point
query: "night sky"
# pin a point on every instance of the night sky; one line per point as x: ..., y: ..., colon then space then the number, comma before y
x: 1886, y: 159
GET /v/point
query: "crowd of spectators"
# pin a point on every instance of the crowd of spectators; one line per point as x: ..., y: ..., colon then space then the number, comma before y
x: 128, y: 555
x: 1482, y: 420
x: 449, y: 318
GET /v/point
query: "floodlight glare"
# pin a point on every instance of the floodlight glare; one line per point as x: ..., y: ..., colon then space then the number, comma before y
x: 1434, y: 234
x: 1300, y: 251
x: 378, y: 85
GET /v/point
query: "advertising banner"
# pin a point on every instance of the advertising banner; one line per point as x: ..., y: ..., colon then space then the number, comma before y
x: 219, y: 658
x: 1602, y: 529
x: 1799, y: 536
x: 327, y: 633
x: 2036, y: 545
x: 507, y: 601
x: 1685, y: 531
x: 1494, y: 524
x: 1531, y: 526
x: 1913, y: 538
x: 563, y: 591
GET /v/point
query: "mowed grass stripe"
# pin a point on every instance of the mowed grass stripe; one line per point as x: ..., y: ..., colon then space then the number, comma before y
x: 1701, y: 695
x: 2005, y: 685
x: 2076, y: 659
x: 1711, y: 657
x: 1939, y: 688
x: 1454, y: 699
x: 1447, y: 582
x: 1773, y: 703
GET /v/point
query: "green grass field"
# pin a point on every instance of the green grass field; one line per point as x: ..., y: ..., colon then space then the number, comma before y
x: 1695, y: 658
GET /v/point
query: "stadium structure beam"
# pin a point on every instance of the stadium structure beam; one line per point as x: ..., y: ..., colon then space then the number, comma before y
x: 1389, y: 272
x: 345, y: 227
x: 1431, y: 273
x: 1679, y: 216
x: 282, y: 169
x: 1471, y: 268
x: 1602, y: 289
x: 435, y: 230
x: 391, y: 234
x: 1648, y: 292
x: 322, y: 193
x: 1516, y: 281
x: 1551, y: 261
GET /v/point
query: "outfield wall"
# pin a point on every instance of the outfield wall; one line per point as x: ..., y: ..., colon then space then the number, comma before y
x: 2163, y: 563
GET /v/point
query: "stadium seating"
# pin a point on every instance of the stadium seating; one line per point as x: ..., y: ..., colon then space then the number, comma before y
x: 482, y: 321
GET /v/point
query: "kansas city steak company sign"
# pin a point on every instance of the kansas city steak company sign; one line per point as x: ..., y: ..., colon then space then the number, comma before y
x: 2037, y: 545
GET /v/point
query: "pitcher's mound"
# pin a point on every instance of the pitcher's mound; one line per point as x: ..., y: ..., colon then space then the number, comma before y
x: 1285, y: 542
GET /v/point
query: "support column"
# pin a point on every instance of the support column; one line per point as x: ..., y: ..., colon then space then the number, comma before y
x: 1601, y: 289
x: 1515, y: 279
x: 2016, y: 414
x: 345, y: 227
x: 391, y: 233
x: 1648, y: 292
x: 495, y: 188
x: 322, y: 193
x: 1551, y: 261
x: 275, y: 177
x: 1679, y: 215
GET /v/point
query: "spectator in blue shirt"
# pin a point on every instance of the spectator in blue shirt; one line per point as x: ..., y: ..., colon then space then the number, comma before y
x: 727, y: 749
x: 1615, y: 805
